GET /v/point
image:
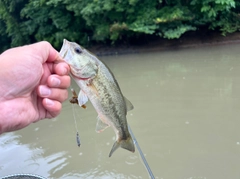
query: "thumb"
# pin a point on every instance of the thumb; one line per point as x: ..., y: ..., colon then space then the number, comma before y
x: 44, y: 52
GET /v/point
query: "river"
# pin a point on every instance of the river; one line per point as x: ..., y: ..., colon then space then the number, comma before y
x: 185, y: 119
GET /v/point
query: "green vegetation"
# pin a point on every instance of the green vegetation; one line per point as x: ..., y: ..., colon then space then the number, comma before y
x: 111, y: 21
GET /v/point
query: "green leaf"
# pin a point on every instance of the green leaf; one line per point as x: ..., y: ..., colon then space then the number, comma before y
x: 177, y: 32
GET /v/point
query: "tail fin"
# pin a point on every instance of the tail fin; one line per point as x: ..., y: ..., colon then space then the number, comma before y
x: 126, y: 144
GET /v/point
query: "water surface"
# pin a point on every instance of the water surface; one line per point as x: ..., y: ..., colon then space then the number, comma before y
x: 186, y: 120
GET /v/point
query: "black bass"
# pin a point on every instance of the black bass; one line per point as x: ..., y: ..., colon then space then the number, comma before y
x: 98, y: 84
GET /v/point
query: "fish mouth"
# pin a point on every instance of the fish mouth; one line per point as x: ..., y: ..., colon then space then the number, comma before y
x: 64, y: 49
x: 63, y: 53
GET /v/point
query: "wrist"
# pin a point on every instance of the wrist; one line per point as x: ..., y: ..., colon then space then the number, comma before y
x: 7, y: 116
x: 3, y: 116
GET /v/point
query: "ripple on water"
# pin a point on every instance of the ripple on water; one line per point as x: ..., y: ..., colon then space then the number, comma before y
x: 197, y: 177
x: 131, y: 159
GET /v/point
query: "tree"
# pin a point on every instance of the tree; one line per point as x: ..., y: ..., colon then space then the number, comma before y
x: 111, y: 21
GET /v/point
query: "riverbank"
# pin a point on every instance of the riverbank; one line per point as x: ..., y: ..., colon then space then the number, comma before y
x: 189, y: 40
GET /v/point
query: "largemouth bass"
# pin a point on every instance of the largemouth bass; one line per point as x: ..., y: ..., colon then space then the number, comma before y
x: 98, y: 84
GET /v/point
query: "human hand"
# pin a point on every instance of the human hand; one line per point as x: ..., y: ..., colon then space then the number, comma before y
x: 33, y: 84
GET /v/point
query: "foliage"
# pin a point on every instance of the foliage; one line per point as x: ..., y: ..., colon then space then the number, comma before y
x: 111, y: 21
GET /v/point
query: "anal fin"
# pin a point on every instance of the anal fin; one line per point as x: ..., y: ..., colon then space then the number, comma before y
x: 101, y: 126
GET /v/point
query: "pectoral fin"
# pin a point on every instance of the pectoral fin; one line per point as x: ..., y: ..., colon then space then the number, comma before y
x: 82, y: 99
x: 128, y: 104
x: 101, y: 126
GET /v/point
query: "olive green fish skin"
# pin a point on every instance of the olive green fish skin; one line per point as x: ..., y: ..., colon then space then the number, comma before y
x: 99, y: 85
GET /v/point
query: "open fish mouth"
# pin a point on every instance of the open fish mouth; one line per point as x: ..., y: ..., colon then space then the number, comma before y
x: 64, y: 49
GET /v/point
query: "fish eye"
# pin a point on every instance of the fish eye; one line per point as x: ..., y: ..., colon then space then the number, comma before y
x: 78, y: 50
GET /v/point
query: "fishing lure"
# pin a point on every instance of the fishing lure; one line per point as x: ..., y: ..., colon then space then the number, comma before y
x: 78, y: 140
x: 74, y: 100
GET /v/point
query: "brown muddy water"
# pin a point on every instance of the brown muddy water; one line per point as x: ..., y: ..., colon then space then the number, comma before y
x: 186, y: 120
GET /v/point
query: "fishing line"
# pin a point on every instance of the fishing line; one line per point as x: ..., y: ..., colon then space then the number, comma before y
x: 75, y: 121
x: 74, y: 118
x: 141, y: 154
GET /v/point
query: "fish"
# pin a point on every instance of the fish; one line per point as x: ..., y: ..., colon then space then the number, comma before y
x: 98, y: 84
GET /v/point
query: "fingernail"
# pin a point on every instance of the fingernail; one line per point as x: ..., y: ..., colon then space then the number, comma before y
x: 44, y: 91
x: 49, y: 102
x: 55, y: 81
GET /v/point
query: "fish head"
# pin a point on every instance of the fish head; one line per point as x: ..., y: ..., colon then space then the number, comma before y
x: 82, y: 63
